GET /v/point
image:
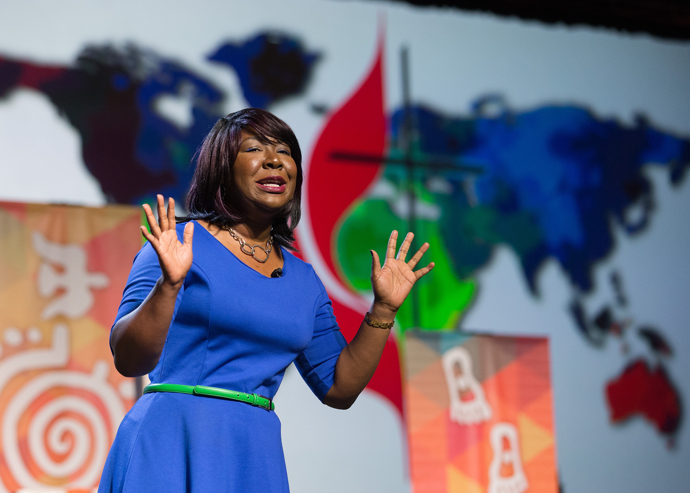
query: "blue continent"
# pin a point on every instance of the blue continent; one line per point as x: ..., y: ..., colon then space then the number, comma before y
x: 270, y: 67
x: 161, y: 145
x: 554, y: 181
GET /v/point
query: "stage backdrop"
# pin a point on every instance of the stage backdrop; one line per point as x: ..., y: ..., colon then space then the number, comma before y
x: 479, y: 413
x: 575, y: 228
x: 62, y: 271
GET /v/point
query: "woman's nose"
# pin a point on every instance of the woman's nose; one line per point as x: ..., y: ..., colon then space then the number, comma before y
x: 273, y: 160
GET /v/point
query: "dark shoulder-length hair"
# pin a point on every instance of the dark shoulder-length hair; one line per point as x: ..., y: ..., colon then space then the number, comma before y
x: 209, y: 193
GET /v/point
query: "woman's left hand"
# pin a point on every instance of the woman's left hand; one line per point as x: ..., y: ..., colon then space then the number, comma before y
x: 393, y: 282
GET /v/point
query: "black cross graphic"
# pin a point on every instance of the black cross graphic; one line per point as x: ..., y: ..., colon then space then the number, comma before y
x: 409, y: 142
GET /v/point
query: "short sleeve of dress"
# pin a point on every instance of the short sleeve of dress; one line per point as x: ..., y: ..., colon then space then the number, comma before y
x: 317, y: 362
x: 142, y: 278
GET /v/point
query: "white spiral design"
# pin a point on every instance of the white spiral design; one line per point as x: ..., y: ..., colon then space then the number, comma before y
x: 70, y: 427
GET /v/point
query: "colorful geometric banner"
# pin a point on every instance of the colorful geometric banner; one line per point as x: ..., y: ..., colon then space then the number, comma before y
x: 479, y: 413
x: 62, y: 271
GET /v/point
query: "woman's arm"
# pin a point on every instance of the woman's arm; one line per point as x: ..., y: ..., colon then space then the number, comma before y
x: 392, y: 283
x: 137, y: 339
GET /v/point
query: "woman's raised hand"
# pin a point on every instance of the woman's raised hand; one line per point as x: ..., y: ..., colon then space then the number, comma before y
x: 174, y: 257
x: 393, y: 282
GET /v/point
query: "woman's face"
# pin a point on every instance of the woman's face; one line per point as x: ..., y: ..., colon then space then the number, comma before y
x: 264, y: 176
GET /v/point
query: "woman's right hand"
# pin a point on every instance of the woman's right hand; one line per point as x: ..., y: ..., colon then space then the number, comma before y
x: 175, y: 258
x: 138, y: 338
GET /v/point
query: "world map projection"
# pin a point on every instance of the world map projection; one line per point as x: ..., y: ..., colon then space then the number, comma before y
x: 553, y: 183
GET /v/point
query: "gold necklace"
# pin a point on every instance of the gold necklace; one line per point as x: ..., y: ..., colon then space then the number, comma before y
x: 251, y: 250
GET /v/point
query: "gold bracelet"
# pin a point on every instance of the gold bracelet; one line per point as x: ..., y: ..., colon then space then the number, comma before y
x: 378, y: 325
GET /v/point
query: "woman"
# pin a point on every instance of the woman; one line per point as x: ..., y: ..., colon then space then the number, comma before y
x: 216, y: 324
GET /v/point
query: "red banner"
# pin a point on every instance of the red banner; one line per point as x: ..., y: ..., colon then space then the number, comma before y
x: 62, y: 271
x: 479, y: 414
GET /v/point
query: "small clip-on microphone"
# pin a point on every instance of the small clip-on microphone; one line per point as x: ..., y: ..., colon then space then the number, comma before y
x: 277, y: 273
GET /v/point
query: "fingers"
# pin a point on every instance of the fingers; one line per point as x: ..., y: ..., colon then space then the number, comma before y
x: 162, y: 216
x: 166, y: 218
x: 418, y: 256
x: 148, y: 236
x: 424, y: 271
x: 151, y: 219
x: 405, y: 247
x: 188, y: 234
x: 375, y: 264
x: 171, y: 213
x: 392, y: 242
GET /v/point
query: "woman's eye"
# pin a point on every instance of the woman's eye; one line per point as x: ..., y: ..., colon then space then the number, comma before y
x: 284, y: 151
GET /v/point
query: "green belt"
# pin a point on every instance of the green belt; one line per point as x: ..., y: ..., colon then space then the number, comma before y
x: 232, y: 395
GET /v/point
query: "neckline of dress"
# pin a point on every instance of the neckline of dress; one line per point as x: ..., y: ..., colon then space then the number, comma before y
x: 282, y: 251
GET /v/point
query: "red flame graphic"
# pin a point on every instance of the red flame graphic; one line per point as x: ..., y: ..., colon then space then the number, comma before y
x: 358, y: 127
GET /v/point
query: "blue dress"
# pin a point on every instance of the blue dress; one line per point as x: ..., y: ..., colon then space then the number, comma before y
x: 235, y: 329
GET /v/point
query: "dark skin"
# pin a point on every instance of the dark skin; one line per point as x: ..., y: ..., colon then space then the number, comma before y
x: 264, y: 179
x: 257, y: 162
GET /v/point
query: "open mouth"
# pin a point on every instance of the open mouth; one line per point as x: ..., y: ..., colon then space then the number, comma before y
x: 272, y: 184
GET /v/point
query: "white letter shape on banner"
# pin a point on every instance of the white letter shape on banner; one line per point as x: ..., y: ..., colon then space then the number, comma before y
x: 68, y: 435
x: 505, y: 472
x: 467, y: 402
x: 77, y: 282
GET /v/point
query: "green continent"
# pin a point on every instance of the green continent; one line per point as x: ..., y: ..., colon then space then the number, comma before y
x: 443, y: 297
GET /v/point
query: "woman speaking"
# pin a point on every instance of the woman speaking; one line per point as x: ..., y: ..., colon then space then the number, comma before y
x: 216, y: 309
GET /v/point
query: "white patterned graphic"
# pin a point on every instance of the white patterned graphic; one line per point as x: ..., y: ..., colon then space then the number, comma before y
x: 468, y: 405
x: 74, y: 279
x: 71, y: 426
x: 505, y: 471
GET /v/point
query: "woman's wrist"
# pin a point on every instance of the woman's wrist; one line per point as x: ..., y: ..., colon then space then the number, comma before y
x: 382, y: 313
x: 168, y: 287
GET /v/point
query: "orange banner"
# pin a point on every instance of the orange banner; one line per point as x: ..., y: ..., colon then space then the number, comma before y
x: 62, y: 272
x: 479, y: 414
